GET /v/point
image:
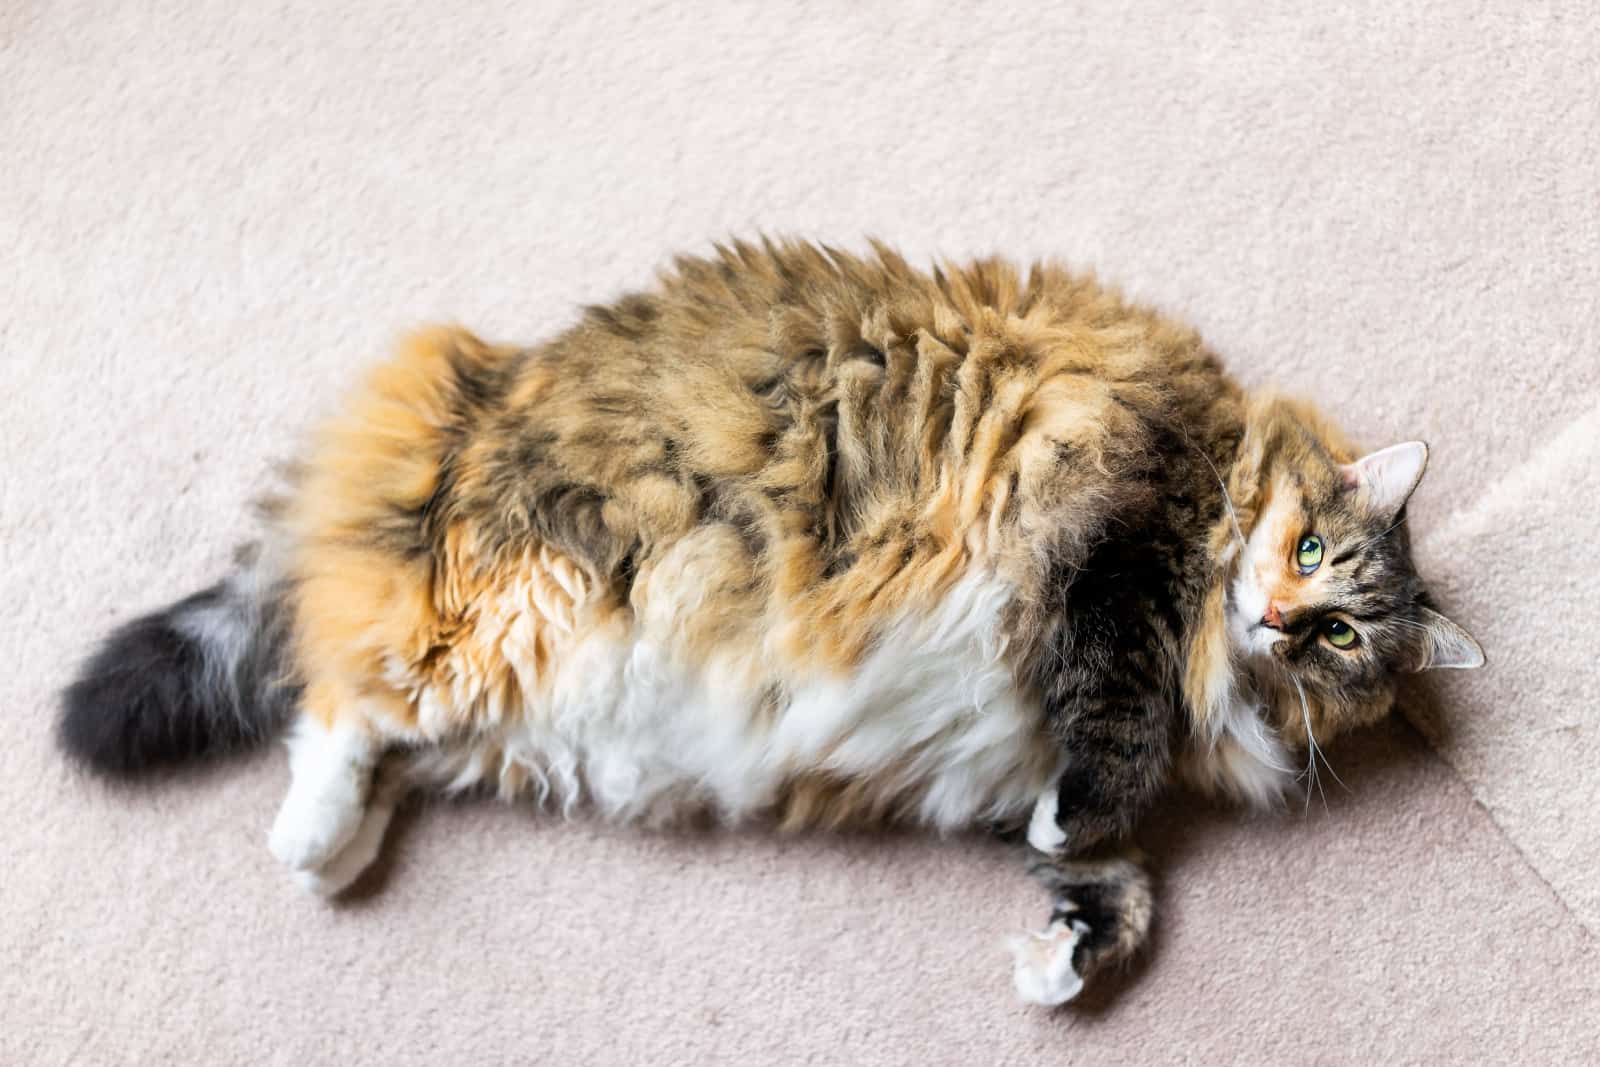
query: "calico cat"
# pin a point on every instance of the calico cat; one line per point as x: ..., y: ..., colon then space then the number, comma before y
x: 810, y: 538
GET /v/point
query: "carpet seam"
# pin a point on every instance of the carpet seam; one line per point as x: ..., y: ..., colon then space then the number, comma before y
x: 1529, y: 467
x: 1589, y: 935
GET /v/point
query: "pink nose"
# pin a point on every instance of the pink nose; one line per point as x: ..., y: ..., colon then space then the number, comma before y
x: 1273, y: 617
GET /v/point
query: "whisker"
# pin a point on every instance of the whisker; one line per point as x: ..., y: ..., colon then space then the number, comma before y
x: 1311, y: 747
x: 1329, y: 764
x: 1316, y: 749
x: 1233, y: 515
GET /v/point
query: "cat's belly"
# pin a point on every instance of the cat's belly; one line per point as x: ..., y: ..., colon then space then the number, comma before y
x: 930, y: 727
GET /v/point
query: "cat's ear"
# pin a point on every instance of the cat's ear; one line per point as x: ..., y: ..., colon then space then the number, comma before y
x: 1446, y: 645
x: 1386, y: 478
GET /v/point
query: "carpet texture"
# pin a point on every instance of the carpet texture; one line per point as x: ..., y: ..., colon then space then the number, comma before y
x: 214, y: 215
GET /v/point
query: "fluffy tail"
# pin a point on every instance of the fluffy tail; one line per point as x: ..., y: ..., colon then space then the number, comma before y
x: 208, y: 675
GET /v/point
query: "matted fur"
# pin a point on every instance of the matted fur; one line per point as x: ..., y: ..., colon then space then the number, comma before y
x: 825, y: 540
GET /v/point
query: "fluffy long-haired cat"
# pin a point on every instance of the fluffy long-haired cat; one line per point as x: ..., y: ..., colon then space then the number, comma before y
x: 810, y: 538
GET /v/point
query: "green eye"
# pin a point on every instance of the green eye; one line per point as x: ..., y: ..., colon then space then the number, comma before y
x: 1339, y: 634
x: 1309, y: 553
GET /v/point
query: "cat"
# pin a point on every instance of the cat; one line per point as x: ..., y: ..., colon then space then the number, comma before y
x: 810, y: 538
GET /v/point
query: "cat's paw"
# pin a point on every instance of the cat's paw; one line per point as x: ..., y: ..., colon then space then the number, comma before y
x: 1043, y: 970
x: 316, y: 821
x: 344, y: 866
x: 1106, y: 903
x: 340, y: 871
x: 330, y: 776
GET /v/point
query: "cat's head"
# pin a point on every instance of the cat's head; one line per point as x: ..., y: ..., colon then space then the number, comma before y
x: 1324, y: 605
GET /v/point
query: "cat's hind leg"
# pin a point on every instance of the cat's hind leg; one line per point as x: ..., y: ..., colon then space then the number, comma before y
x: 1100, y: 912
x: 330, y: 768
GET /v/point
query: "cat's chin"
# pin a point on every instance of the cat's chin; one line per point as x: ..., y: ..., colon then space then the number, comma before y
x: 1253, y: 645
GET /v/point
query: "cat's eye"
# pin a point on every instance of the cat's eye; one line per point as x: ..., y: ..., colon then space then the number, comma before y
x: 1308, y: 554
x: 1339, y: 633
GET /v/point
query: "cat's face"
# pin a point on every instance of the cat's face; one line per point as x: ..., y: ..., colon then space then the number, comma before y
x: 1325, y: 603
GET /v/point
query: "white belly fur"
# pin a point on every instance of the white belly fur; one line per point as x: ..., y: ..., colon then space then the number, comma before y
x: 933, y: 711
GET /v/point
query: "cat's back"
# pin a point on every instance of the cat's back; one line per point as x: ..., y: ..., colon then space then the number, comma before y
x: 795, y: 379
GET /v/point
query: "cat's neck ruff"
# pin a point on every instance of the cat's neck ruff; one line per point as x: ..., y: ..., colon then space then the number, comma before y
x: 1240, y: 753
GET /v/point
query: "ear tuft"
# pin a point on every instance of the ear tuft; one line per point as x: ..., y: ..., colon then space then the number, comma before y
x: 1386, y: 478
x: 1446, y: 645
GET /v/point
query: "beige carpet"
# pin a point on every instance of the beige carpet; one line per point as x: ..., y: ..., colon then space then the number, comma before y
x: 213, y: 214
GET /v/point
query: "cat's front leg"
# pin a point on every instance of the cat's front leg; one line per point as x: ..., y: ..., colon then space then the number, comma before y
x: 1117, y: 762
x: 1100, y: 910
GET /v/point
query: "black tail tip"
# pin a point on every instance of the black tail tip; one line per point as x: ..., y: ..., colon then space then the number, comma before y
x: 140, y: 702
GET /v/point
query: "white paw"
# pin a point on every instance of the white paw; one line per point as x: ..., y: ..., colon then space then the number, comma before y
x: 339, y: 872
x: 1043, y: 971
x: 316, y: 821
x: 330, y: 773
x: 1044, y: 832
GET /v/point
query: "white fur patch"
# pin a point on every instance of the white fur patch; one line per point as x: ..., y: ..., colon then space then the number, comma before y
x: 933, y: 713
x: 330, y: 772
x: 1044, y: 832
x: 1042, y: 964
x: 1248, y: 592
x: 1247, y: 603
x: 1247, y: 759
